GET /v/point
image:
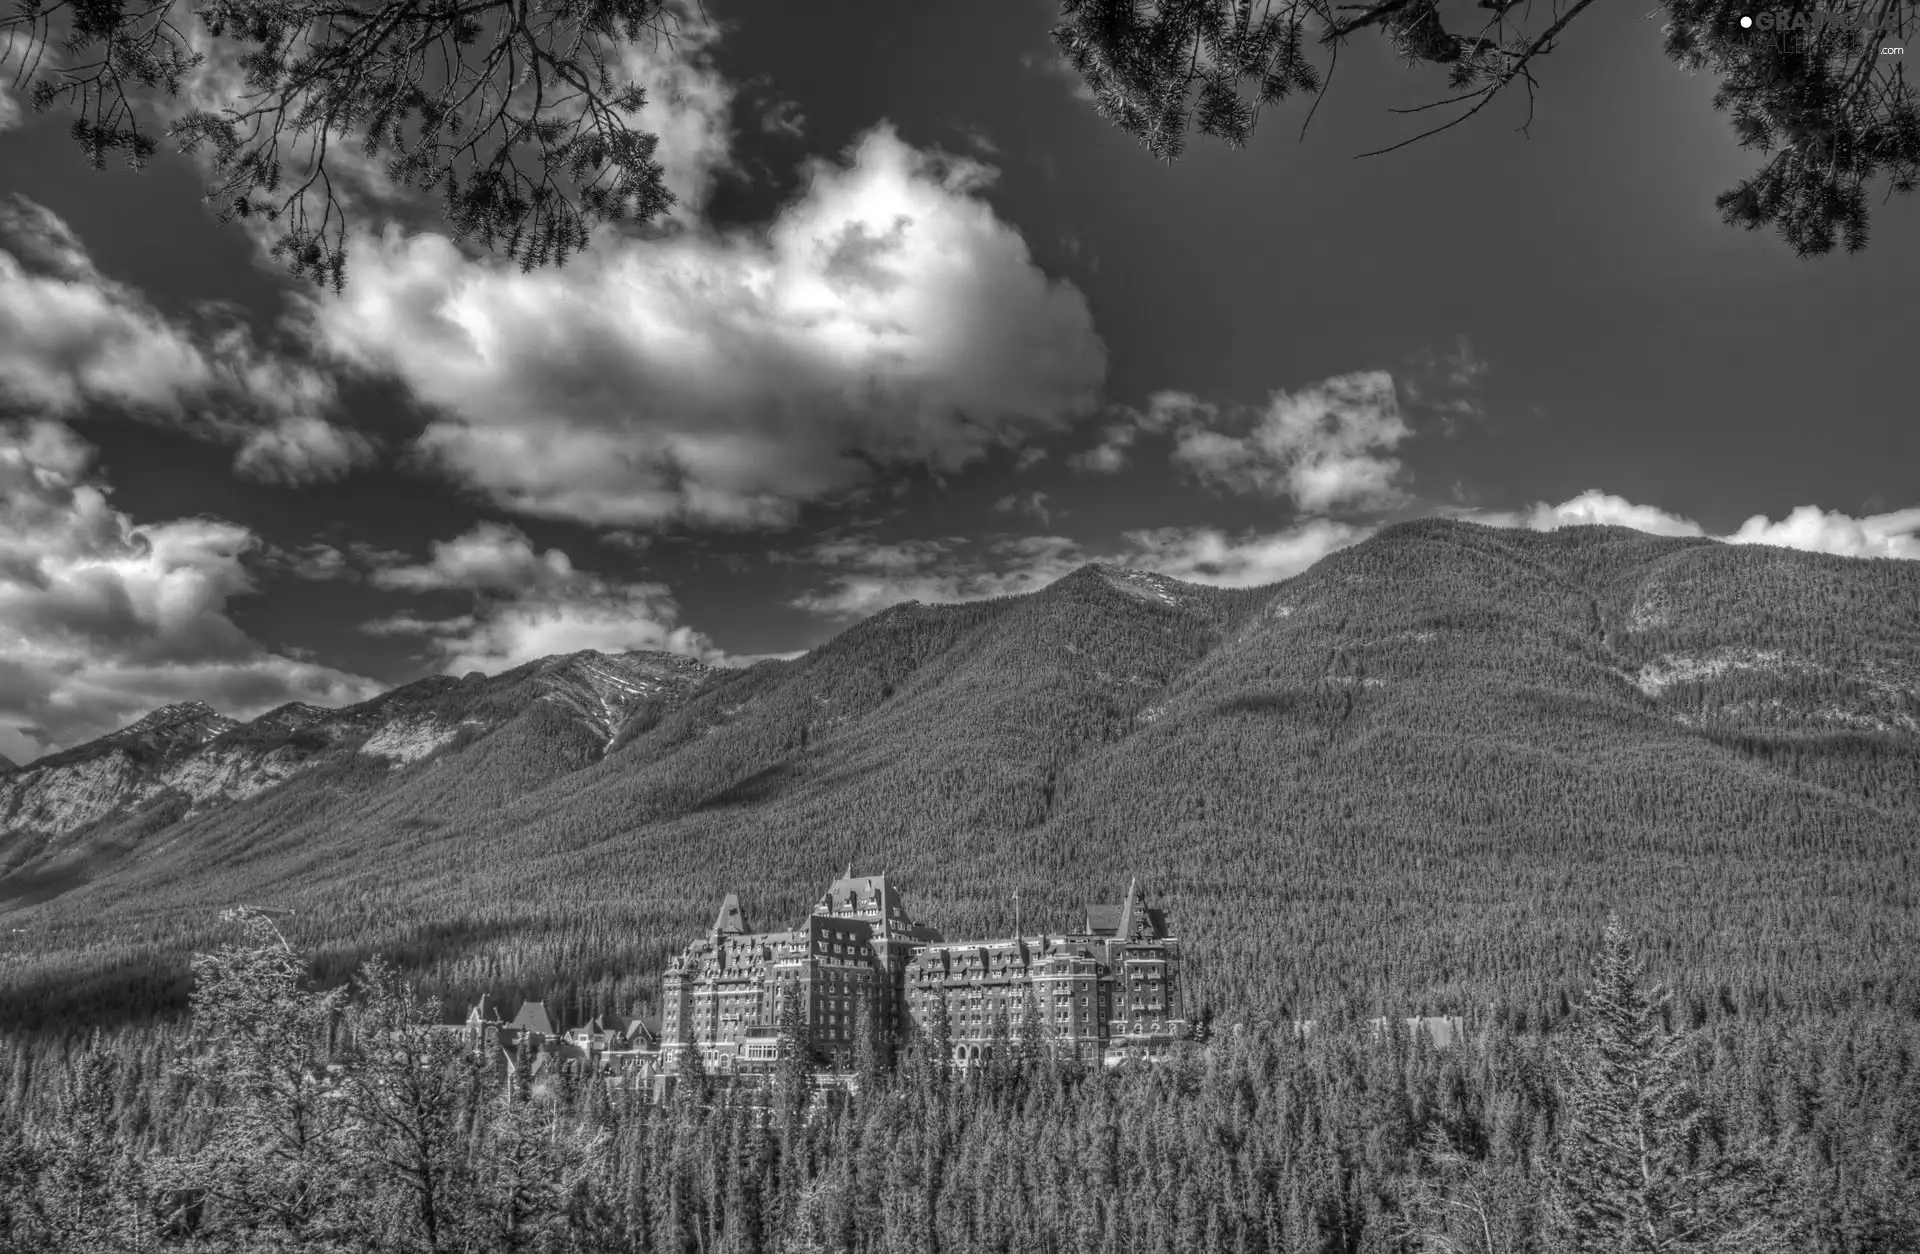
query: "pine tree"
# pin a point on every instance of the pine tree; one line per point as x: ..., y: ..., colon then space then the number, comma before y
x: 404, y: 1086
x: 793, y: 1063
x: 275, y: 1164
x: 866, y: 1044
x: 1032, y: 1034
x: 532, y: 1163
x: 1639, y: 1173
x: 940, y: 1042
x: 92, y: 1189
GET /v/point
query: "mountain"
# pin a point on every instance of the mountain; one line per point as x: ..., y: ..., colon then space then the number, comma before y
x: 1420, y: 775
x: 184, y: 762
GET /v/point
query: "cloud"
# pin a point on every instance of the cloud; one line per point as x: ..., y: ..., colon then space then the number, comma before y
x: 1809, y: 528
x: 71, y: 337
x: 871, y: 588
x: 1323, y: 447
x: 492, y: 557
x: 11, y: 113
x: 1050, y: 64
x: 1446, y: 383
x: 1163, y: 410
x: 1034, y: 503
x: 783, y: 117
x: 68, y: 334
x: 864, y: 578
x: 530, y: 605
x: 1592, y: 508
x: 740, y: 661
x: 1879, y: 535
x: 689, y: 105
x: 302, y: 450
x: 1206, y: 556
x: 316, y: 562
x: 887, y: 317
x: 103, y: 619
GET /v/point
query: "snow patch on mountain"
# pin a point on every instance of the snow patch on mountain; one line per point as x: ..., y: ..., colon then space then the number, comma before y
x: 1679, y: 668
x: 1146, y: 585
x: 409, y: 740
x: 1869, y: 695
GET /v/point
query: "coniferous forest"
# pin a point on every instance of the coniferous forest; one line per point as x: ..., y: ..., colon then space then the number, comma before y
x: 284, y: 1117
x: 1417, y: 779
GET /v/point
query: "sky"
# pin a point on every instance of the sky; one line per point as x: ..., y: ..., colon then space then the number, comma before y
x: 923, y: 327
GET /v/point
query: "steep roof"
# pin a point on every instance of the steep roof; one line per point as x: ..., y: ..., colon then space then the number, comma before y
x: 868, y: 895
x: 533, y: 1018
x: 731, y: 918
x: 1130, y: 910
x: 1129, y: 919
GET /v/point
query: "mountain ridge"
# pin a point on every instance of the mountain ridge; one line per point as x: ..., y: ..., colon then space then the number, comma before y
x: 1447, y: 731
x: 189, y: 748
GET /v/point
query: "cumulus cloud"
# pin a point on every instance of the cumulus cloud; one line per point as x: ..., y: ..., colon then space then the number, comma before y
x: 886, y: 317
x: 1323, y: 447
x: 68, y: 334
x: 530, y: 605
x: 103, y: 619
x: 1162, y: 410
x: 316, y: 562
x: 72, y: 337
x: 864, y: 578
x: 688, y: 107
x: 1592, y: 508
x: 492, y: 557
x: 1034, y: 503
x: 1810, y: 528
x: 688, y: 104
x: 1207, y: 556
x: 861, y: 577
x: 302, y: 450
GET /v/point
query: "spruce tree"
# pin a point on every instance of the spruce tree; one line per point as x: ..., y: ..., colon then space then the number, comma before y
x: 1639, y: 1172
x: 404, y: 1086
x: 941, y: 1038
x: 275, y: 1163
x: 793, y: 1063
x: 1032, y: 1034
x: 866, y: 1043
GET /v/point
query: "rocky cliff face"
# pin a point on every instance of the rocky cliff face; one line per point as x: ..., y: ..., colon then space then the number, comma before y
x: 198, y: 759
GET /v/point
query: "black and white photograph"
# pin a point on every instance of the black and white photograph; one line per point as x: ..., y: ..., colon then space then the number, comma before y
x: 915, y: 627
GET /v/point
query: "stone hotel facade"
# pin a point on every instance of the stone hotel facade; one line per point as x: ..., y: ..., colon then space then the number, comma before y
x: 1105, y: 992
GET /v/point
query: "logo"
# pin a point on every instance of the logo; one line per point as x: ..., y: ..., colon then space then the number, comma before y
x: 1784, y: 27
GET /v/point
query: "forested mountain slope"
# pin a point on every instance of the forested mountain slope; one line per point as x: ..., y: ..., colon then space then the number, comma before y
x: 70, y: 816
x: 1418, y: 775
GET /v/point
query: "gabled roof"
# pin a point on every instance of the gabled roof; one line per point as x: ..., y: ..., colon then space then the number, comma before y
x: 1131, y: 919
x: 533, y: 1018
x: 731, y: 918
